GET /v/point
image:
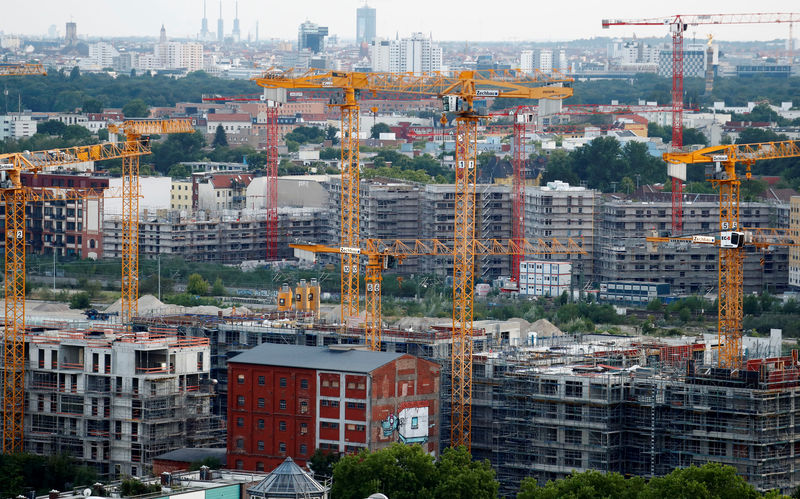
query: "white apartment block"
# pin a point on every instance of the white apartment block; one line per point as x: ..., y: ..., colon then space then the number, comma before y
x: 102, y: 54
x: 417, y: 55
x: 526, y: 61
x: 545, y: 61
x: 16, y: 126
x: 544, y: 277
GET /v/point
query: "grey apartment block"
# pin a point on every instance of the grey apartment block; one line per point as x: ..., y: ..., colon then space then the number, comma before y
x: 114, y: 401
x: 622, y: 253
x: 560, y: 211
x: 221, y: 239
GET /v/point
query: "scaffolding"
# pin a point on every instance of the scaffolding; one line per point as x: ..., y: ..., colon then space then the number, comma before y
x: 116, y: 400
x: 643, y: 409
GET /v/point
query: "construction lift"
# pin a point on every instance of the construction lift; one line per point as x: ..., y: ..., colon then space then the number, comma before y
x: 459, y: 91
x: 14, y: 197
x: 732, y: 237
x: 137, y: 133
x: 678, y: 24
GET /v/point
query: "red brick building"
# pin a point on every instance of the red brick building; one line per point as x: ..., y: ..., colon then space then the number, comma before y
x: 288, y: 400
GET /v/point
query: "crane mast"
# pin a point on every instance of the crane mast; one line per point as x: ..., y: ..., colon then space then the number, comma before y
x: 463, y: 87
x: 677, y: 26
x: 731, y: 256
x: 14, y: 197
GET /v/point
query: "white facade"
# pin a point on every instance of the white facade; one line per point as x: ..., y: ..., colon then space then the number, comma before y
x: 16, y: 126
x: 545, y: 61
x: 544, y: 277
x: 102, y: 54
x: 417, y: 55
x: 526, y: 61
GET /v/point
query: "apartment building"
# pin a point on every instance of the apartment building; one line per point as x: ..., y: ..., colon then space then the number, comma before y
x: 114, y: 401
x: 622, y: 254
x: 794, y: 252
x: 562, y: 212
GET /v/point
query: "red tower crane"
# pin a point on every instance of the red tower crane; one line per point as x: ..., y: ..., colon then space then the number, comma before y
x: 271, y: 166
x: 677, y: 25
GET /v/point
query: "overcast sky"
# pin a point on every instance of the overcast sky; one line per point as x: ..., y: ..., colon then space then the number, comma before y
x: 510, y: 20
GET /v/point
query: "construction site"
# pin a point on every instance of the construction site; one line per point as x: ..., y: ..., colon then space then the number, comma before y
x: 533, y: 400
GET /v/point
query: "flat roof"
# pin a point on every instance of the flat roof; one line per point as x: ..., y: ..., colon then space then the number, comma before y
x: 338, y: 358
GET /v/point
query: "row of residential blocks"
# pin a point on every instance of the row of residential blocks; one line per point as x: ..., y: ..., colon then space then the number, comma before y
x: 612, y: 230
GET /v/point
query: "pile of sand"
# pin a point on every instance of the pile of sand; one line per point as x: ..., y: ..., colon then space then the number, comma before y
x: 147, y: 304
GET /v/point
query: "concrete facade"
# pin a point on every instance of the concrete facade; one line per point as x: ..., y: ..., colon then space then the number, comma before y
x: 114, y: 401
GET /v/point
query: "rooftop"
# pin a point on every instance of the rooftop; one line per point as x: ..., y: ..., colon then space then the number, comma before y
x: 338, y: 358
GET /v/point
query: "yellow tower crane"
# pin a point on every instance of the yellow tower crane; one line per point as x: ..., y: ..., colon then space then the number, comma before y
x: 459, y: 91
x: 22, y: 69
x: 14, y: 196
x: 379, y: 251
x: 732, y: 237
x: 136, y: 132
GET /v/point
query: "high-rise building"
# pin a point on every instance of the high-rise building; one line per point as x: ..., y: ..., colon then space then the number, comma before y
x: 236, y: 33
x: 163, y: 36
x: 545, y: 61
x: 311, y: 36
x: 72, y: 34
x: 419, y: 55
x: 526, y: 61
x: 220, y: 25
x: 385, y: 55
x: 204, y: 27
x: 365, y: 24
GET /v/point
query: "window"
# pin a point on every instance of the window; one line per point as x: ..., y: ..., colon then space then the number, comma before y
x: 325, y: 383
x: 361, y: 386
x: 304, y: 384
x: 240, y: 443
x: 260, y: 445
x: 351, y: 386
x: 303, y: 449
x: 240, y: 379
x: 240, y: 422
x: 261, y: 402
x: 303, y: 428
x: 335, y: 383
x: 261, y: 382
x: 283, y: 382
x: 259, y: 466
x: 282, y: 426
x: 240, y: 400
x: 414, y: 423
x: 260, y: 424
x: 303, y: 406
x: 283, y: 404
x: 282, y: 447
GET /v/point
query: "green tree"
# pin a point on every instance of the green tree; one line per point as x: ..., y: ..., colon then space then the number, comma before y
x: 178, y: 171
x: 136, y: 108
x: 756, y: 135
x: 589, y: 484
x: 76, y: 133
x: 79, y: 300
x: 712, y: 481
x: 459, y: 476
x: 627, y: 185
x: 197, y: 285
x: 218, y: 289
x: 92, y: 106
x: 329, y: 153
x: 379, y: 128
x: 399, y: 471
x: 322, y: 463
x: 220, y: 138
x: 51, y: 127
x: 102, y: 134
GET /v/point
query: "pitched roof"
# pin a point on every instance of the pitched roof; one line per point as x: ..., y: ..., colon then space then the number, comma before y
x: 225, y: 181
x: 288, y: 480
x: 217, y: 117
x: 331, y: 358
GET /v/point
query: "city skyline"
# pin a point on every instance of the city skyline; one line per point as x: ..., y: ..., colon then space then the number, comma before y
x: 445, y: 21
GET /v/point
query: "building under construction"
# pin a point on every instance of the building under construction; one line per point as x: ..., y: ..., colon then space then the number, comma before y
x: 115, y: 400
x: 636, y: 407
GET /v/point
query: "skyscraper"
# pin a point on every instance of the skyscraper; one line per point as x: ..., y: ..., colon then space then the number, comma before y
x: 72, y: 34
x: 220, y: 25
x: 312, y: 37
x: 236, y: 34
x: 365, y: 24
x: 204, y: 27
